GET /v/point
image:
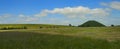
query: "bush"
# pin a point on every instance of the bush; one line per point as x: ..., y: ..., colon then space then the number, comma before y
x: 112, y: 25
x: 24, y: 27
x: 4, y: 28
x: 9, y: 28
x: 41, y: 27
x: 70, y: 25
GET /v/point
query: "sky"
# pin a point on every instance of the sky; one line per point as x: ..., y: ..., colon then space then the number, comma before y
x: 59, y: 12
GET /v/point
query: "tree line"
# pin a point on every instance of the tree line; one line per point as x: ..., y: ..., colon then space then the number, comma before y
x: 9, y: 28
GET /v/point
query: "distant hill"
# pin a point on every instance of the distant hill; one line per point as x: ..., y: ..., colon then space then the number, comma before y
x: 92, y: 23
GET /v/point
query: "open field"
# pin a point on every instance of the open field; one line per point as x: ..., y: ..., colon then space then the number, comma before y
x: 59, y: 24
x: 61, y: 38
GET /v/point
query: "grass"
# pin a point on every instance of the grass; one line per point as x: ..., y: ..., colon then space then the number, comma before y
x: 109, y: 33
x: 29, y: 40
x: 61, y: 38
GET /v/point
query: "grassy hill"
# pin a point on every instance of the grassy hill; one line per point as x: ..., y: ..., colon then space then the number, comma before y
x: 92, y: 23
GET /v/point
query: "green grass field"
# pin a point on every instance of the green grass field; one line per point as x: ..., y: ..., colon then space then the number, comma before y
x: 63, y: 37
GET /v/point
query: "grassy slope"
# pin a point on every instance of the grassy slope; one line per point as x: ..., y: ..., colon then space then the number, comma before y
x: 61, y: 38
x: 28, y: 40
x: 109, y: 33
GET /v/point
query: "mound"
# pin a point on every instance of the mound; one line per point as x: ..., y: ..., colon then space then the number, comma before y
x: 92, y: 23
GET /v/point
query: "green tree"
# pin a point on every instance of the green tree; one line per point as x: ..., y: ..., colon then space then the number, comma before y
x: 112, y: 25
x: 70, y: 25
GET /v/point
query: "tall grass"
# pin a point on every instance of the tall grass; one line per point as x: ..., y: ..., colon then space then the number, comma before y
x: 30, y: 40
x: 59, y: 37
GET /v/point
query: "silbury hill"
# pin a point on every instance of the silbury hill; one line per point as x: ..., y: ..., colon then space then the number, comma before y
x: 92, y: 23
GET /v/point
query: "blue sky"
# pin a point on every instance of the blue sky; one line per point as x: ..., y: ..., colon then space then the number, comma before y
x: 61, y: 12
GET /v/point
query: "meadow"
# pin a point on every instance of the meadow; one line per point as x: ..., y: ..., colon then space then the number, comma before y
x: 59, y: 37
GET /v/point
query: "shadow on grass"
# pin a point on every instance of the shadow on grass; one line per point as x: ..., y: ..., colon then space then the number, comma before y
x: 29, y: 40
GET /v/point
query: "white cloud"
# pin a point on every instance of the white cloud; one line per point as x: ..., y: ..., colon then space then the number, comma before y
x: 74, y: 12
x: 21, y: 15
x: 5, y: 16
x: 26, y: 18
x: 43, y: 13
x: 30, y: 19
x: 104, y: 4
x: 113, y: 5
x: 99, y: 12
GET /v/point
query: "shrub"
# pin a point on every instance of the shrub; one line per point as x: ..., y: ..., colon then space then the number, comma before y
x: 9, y: 28
x: 70, y: 25
x: 112, y: 25
x: 4, y: 28
x: 24, y: 27
x: 41, y: 27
